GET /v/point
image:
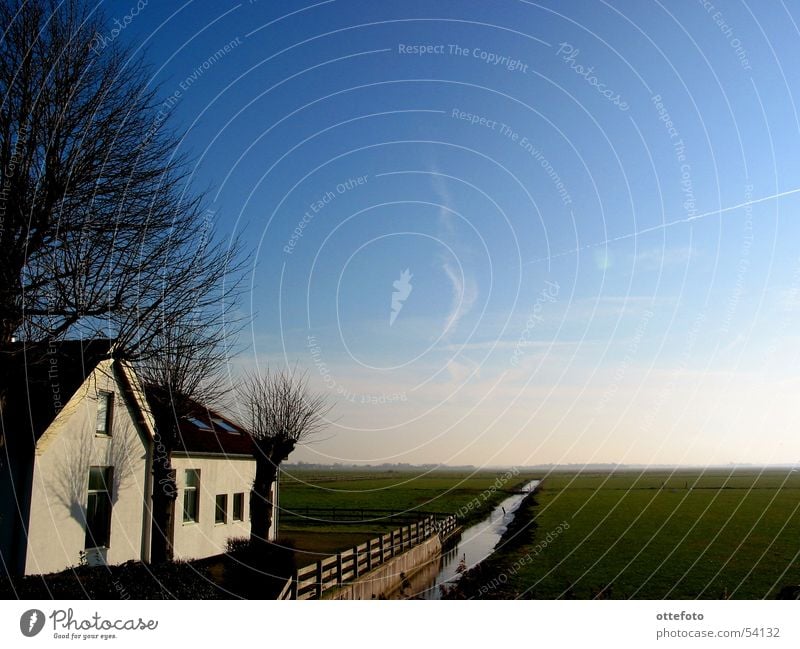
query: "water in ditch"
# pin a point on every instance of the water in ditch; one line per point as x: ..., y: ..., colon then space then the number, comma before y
x: 476, y: 543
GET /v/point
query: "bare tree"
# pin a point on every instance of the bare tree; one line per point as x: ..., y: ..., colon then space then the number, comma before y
x: 280, y: 412
x: 101, y: 233
x: 187, y: 371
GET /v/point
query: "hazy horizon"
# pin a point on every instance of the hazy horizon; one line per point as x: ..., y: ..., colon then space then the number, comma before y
x: 795, y: 466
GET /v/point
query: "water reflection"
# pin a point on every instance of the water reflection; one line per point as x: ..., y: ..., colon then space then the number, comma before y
x: 476, y: 543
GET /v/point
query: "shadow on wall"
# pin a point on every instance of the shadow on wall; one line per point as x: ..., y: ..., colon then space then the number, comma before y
x: 72, y: 476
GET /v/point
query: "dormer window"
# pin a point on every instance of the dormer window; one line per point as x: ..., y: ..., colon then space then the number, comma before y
x: 105, y: 413
x: 224, y: 425
x: 199, y: 423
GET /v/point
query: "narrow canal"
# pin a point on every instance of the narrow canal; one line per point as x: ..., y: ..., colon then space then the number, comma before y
x: 476, y: 543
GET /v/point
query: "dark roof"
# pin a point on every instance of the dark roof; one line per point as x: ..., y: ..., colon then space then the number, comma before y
x: 42, y: 378
x: 205, y: 430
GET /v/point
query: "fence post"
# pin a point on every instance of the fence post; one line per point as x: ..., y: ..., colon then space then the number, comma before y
x: 339, y: 568
x: 369, y: 555
x: 355, y: 562
x: 381, y: 551
x: 319, y: 579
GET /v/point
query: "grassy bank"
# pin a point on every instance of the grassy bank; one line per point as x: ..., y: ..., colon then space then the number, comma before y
x: 653, y: 535
x: 406, y: 493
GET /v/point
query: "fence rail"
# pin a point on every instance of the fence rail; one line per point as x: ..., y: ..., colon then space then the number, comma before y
x: 335, y: 570
x: 286, y: 591
x: 447, y: 527
x: 326, y: 515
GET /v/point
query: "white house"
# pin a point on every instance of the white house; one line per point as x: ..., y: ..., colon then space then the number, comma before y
x: 91, y: 478
x: 215, y: 467
x: 81, y: 490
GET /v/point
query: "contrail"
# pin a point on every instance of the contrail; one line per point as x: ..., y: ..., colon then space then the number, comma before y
x: 661, y: 226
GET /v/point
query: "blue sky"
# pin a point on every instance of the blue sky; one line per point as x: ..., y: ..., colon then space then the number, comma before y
x: 595, y: 202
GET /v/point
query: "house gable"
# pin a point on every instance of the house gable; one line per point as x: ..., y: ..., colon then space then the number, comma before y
x: 64, y: 454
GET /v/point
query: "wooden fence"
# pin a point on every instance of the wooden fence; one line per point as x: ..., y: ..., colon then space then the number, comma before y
x: 328, y: 515
x: 335, y: 570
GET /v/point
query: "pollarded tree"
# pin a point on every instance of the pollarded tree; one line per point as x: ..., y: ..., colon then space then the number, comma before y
x: 280, y: 412
x: 186, y: 371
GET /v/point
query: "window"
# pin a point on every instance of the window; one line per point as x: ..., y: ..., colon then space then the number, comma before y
x: 224, y: 425
x: 105, y: 411
x: 191, y: 496
x: 221, y: 517
x: 238, y: 507
x: 98, y: 507
x: 202, y: 425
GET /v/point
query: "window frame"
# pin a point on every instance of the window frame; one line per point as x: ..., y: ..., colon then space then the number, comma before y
x: 108, y: 484
x: 106, y: 398
x: 221, y: 509
x: 239, y: 496
x: 194, y: 489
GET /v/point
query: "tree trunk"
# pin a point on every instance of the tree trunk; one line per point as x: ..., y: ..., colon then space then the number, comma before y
x: 261, y: 500
x: 165, y: 491
x: 269, y: 455
x: 163, y: 515
x: 10, y: 301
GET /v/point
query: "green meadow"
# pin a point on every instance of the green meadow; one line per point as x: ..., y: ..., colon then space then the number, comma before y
x: 404, y: 494
x: 652, y: 535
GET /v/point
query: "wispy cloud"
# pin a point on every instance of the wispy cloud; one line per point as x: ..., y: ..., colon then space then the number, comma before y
x: 464, y: 292
x: 464, y: 295
x: 788, y: 299
x: 445, y: 200
x: 502, y: 345
x: 462, y: 369
x: 657, y: 258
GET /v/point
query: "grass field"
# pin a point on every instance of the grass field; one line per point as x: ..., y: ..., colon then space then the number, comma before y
x: 405, y: 492
x: 653, y: 535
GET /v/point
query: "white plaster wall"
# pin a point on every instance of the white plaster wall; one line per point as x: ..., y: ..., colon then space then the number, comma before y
x: 59, y: 495
x: 218, y: 475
